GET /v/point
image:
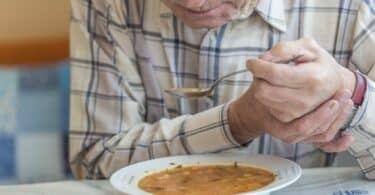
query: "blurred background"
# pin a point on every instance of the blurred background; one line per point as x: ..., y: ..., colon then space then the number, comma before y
x: 34, y: 90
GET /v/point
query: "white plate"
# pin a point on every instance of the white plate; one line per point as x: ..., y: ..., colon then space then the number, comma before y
x: 126, y: 179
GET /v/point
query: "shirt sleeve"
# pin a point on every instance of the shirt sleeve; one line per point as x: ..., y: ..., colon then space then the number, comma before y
x: 108, y: 129
x: 362, y: 126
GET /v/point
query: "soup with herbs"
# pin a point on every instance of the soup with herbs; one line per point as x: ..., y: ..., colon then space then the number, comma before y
x: 206, y: 180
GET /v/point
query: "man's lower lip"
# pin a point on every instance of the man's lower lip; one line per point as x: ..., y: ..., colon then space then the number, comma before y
x: 202, y: 13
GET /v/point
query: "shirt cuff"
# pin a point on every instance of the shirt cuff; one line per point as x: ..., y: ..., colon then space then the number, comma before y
x: 208, y: 132
x: 362, y: 128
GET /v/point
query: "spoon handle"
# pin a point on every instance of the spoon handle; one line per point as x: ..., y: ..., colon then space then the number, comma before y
x: 217, y: 82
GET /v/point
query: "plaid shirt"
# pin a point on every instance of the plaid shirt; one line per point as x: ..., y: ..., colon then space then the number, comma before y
x: 125, y: 53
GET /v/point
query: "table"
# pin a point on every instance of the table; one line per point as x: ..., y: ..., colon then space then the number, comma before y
x: 321, y: 181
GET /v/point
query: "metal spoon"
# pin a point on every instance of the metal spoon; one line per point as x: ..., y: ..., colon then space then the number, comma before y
x: 204, y: 92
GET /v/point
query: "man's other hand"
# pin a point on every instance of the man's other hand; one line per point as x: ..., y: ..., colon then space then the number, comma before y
x: 248, y: 118
x: 291, y: 91
x: 307, y: 102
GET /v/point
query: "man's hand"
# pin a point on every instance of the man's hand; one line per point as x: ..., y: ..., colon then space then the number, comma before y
x: 248, y: 118
x: 290, y: 92
x: 308, y: 102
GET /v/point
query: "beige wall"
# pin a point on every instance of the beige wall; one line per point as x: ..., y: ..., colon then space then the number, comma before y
x: 25, y: 19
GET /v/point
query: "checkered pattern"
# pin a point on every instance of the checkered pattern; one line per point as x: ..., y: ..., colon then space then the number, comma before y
x: 125, y: 53
x: 33, y: 124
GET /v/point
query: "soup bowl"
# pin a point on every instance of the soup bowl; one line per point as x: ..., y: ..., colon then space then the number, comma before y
x: 287, y: 172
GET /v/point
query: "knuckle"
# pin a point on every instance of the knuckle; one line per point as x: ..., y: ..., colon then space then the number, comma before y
x: 314, y: 79
x: 312, y: 44
x: 310, y: 41
x: 280, y: 47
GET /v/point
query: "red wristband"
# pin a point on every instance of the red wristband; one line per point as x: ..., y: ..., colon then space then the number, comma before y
x: 360, y: 89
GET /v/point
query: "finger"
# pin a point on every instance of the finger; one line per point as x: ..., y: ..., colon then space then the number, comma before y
x: 303, y: 126
x: 306, y: 138
x: 342, y: 97
x: 284, y: 117
x: 277, y: 74
x: 340, y: 144
x: 287, y: 111
x: 335, y: 126
x: 290, y: 49
x: 300, y: 57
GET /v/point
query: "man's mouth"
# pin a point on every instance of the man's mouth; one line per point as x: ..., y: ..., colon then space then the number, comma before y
x: 206, y: 12
x: 200, y: 12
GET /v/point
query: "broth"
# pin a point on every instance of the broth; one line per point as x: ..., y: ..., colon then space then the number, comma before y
x: 206, y: 180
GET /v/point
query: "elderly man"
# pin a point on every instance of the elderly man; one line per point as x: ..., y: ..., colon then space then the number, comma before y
x: 126, y: 53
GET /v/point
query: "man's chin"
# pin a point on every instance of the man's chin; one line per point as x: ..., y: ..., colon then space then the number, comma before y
x: 197, y: 24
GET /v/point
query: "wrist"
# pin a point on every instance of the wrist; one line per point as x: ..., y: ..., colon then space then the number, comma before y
x: 241, y: 124
x: 348, y: 80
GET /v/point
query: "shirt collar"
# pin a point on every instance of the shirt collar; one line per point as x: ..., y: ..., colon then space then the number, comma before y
x: 273, y: 12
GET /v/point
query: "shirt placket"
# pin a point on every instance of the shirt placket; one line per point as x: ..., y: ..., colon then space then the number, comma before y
x: 205, y: 74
